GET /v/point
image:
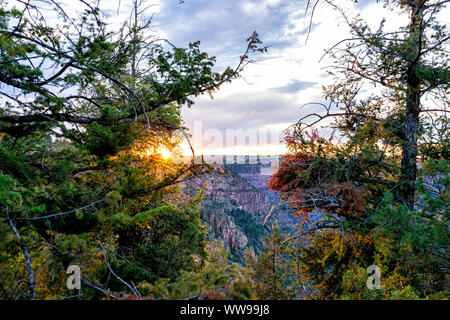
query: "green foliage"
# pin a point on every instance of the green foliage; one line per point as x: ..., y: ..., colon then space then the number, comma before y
x: 81, y: 180
x: 380, y: 192
x: 269, y: 271
x: 355, y: 288
x: 253, y: 231
x: 216, y: 273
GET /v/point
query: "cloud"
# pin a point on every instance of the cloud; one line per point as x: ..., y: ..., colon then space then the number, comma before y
x: 288, y: 76
x: 362, y: 4
x: 295, y: 86
x: 285, y: 78
x: 244, y: 111
x: 223, y: 26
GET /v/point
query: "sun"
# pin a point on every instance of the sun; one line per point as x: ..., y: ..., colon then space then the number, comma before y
x: 165, y: 153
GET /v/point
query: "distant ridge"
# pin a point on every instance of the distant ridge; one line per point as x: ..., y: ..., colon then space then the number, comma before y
x: 247, y: 164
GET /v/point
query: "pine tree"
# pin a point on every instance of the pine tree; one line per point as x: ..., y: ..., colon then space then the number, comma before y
x: 269, y: 270
x: 378, y: 208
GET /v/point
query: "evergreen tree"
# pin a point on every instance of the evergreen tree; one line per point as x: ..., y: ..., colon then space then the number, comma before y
x: 383, y: 189
x: 85, y: 114
x: 269, y: 270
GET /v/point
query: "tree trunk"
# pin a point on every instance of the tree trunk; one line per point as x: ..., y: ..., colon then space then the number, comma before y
x: 409, y: 155
x: 412, y: 108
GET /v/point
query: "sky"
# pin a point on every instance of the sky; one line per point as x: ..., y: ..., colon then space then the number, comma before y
x: 270, y: 95
x: 248, y: 116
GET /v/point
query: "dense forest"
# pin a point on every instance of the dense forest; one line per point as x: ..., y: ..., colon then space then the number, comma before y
x: 88, y: 111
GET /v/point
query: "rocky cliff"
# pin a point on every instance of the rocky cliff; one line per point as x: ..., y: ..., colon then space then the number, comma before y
x: 234, y: 208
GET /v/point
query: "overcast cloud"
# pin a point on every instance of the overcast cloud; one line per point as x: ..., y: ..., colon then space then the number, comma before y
x: 271, y: 91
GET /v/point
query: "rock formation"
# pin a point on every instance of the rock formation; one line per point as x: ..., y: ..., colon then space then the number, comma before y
x: 235, y: 206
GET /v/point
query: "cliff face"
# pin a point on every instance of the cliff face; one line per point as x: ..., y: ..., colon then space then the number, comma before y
x: 225, y: 186
x: 233, y: 236
x: 225, y: 193
x: 234, y: 208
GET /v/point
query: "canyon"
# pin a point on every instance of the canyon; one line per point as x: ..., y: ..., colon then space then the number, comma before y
x: 238, y: 208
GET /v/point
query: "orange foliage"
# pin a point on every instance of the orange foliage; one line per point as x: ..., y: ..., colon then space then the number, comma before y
x: 352, y: 201
x: 290, y: 173
x: 307, y: 174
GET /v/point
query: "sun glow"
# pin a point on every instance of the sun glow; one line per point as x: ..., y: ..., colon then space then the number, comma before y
x: 165, y: 153
x: 160, y: 151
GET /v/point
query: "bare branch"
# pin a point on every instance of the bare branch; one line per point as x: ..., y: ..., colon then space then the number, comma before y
x: 31, y: 282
